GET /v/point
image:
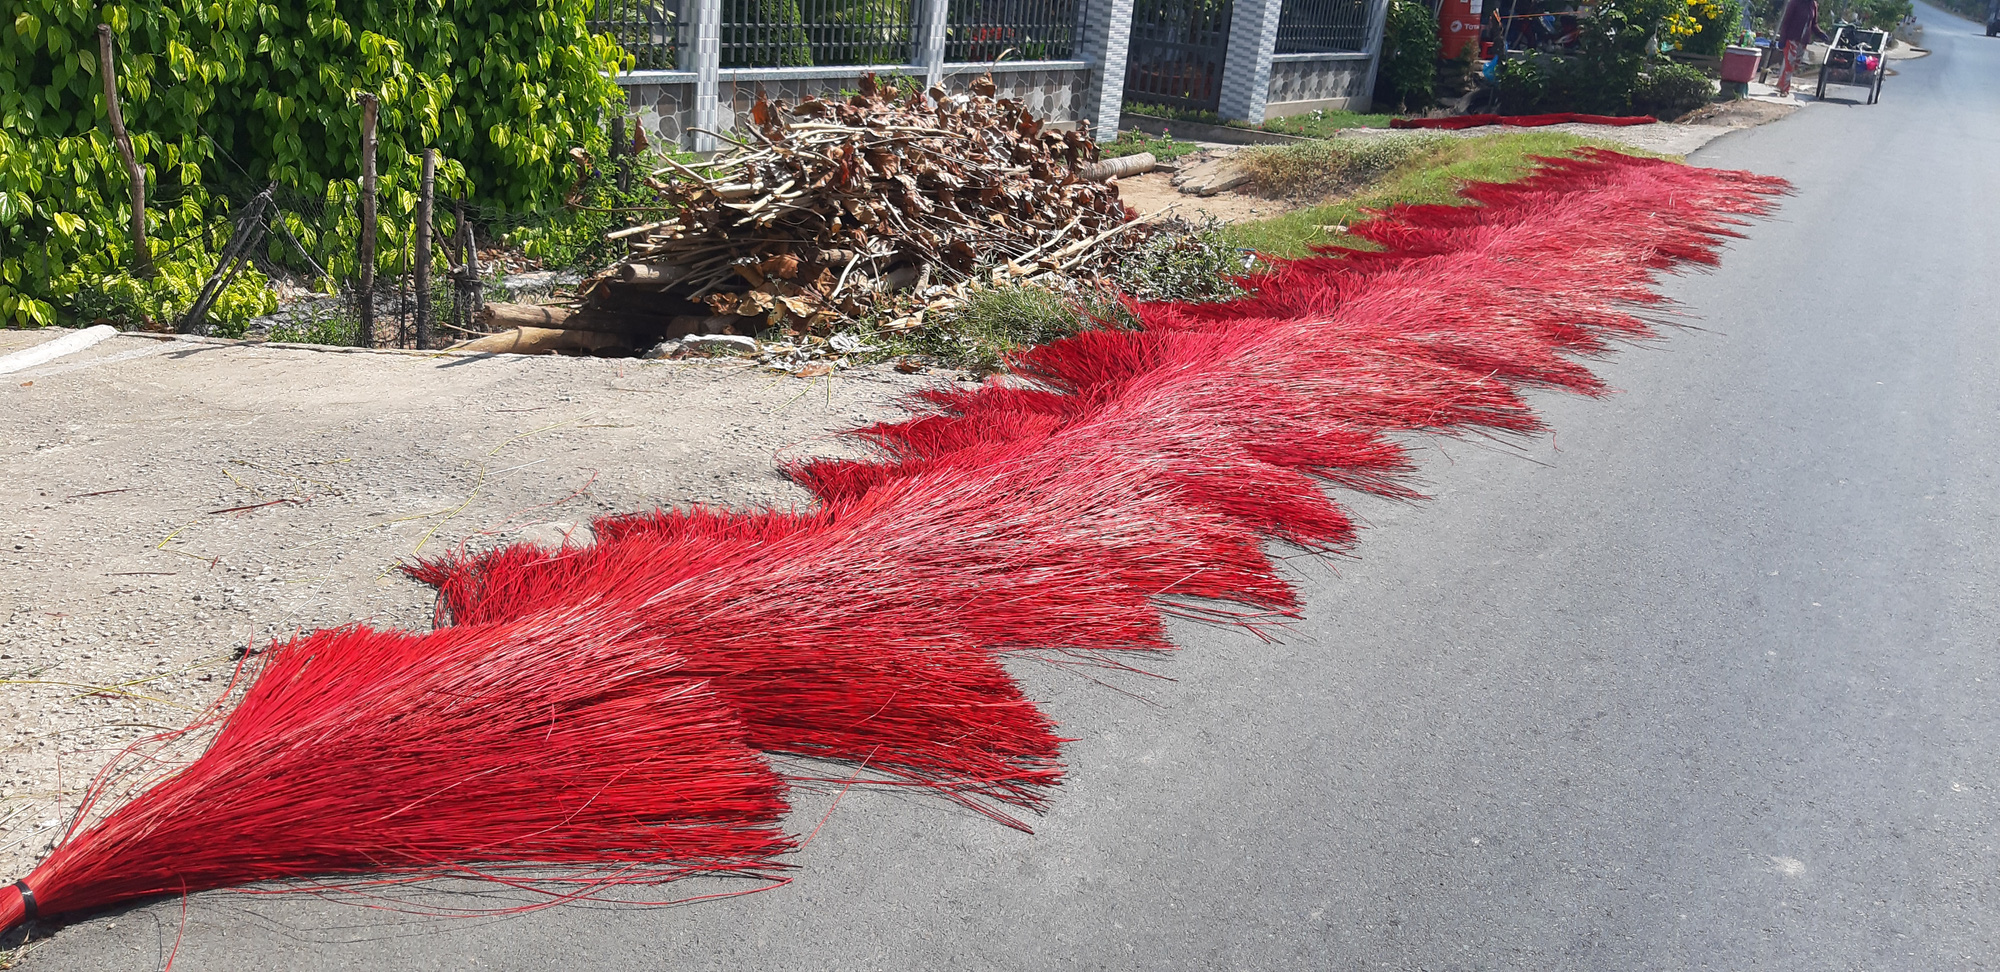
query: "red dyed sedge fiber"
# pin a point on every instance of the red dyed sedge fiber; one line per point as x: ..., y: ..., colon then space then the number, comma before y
x: 606, y: 708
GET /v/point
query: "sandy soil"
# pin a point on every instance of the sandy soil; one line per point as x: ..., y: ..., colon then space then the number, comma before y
x: 1155, y: 191
x: 1741, y: 113
x: 169, y: 503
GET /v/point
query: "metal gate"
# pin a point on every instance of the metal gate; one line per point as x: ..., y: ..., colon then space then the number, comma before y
x: 1177, y: 52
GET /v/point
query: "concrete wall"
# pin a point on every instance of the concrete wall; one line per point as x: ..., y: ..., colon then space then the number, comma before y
x: 1256, y: 84
x: 1313, y: 82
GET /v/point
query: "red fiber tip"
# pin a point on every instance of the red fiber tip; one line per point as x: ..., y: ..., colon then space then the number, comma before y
x: 13, y: 910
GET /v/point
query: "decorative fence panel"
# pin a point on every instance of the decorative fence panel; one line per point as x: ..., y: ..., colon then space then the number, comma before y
x: 816, y: 33
x: 1322, y: 26
x: 1035, y: 30
x: 648, y: 29
x: 1177, y: 52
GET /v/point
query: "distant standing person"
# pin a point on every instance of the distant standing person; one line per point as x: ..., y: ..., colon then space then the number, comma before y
x: 1798, y: 27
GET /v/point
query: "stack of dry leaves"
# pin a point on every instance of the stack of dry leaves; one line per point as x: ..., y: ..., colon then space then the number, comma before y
x: 883, y: 206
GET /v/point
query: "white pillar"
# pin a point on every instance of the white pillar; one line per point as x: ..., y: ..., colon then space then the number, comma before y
x: 701, y: 45
x: 1107, y: 35
x: 929, y: 55
x: 1246, y: 69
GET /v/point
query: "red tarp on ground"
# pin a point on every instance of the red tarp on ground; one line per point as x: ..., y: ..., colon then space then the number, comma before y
x: 1455, y: 122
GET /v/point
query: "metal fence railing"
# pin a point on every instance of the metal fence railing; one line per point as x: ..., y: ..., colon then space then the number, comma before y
x: 1035, y: 30
x: 649, y: 30
x: 1177, y: 51
x: 803, y: 33
x: 1322, y: 26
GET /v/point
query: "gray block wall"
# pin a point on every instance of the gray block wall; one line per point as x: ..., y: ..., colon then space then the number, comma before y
x: 1300, y: 83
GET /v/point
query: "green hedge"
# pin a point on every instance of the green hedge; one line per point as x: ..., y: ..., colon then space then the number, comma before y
x: 222, y: 96
x: 1407, y: 78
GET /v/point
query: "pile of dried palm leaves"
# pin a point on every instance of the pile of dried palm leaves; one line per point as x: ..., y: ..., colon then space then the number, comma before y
x: 881, y: 207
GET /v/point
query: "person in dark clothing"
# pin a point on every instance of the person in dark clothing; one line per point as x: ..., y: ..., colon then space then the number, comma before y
x: 1797, y: 27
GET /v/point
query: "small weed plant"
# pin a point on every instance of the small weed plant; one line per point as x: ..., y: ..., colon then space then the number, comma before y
x: 1185, y: 261
x: 1133, y: 142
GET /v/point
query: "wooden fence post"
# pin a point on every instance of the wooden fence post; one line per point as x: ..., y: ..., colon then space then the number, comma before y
x: 427, y: 191
x: 107, y: 69
x: 618, y: 149
x: 366, y: 337
x: 474, y: 282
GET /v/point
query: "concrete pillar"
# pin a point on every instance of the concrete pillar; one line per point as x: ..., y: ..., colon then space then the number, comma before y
x: 701, y: 52
x: 932, y: 17
x: 1107, y: 35
x: 1246, y: 68
x: 1378, y: 20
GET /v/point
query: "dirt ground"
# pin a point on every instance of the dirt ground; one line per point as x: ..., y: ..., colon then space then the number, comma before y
x: 170, y: 503
x: 1155, y: 191
x: 1741, y: 113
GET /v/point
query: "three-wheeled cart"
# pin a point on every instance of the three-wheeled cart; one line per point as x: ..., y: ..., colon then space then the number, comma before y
x: 1854, y: 56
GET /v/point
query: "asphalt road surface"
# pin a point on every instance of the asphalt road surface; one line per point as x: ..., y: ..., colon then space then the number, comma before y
x: 1703, y: 682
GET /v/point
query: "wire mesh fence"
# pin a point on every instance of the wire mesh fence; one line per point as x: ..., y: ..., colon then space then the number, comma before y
x: 806, y: 33
x: 649, y: 30
x: 287, y: 270
x: 1036, y: 30
x: 1322, y: 26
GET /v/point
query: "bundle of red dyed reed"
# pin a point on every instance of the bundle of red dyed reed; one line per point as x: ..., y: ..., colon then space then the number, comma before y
x: 604, y: 707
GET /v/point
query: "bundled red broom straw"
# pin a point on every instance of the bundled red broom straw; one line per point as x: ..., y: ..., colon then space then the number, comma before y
x: 456, y: 753
x: 599, y: 706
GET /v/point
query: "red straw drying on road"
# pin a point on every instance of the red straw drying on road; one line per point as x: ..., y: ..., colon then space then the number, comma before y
x: 600, y: 707
x: 463, y: 752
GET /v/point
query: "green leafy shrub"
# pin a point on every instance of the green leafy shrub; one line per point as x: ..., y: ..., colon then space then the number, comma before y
x: 1185, y: 261
x: 1407, y: 78
x: 120, y: 298
x: 223, y: 96
x: 64, y: 198
x: 1708, y: 26
x: 1672, y: 90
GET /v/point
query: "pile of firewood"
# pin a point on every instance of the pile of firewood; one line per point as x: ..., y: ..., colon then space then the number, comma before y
x: 880, y: 207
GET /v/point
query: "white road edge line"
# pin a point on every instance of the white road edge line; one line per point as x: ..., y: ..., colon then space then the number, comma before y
x: 50, y: 350
x: 63, y: 369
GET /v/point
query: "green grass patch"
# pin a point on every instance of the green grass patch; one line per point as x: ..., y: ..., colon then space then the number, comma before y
x: 1163, y: 147
x: 1180, y: 260
x: 993, y: 321
x: 1312, y: 124
x: 1320, y: 124
x: 334, y: 329
x: 1433, y: 176
x: 1324, y: 166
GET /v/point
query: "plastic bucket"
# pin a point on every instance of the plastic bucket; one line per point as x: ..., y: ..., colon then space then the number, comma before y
x: 1739, y: 63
